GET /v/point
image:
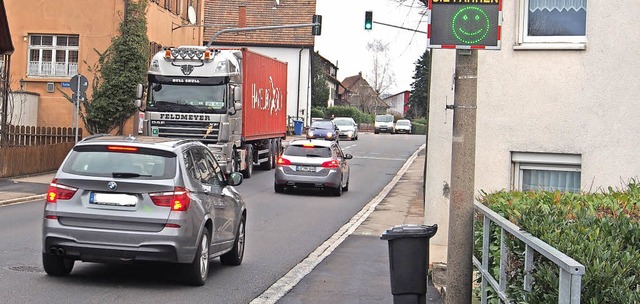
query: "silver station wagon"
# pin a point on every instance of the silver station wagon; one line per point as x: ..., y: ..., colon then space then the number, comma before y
x: 313, y: 163
x: 130, y: 199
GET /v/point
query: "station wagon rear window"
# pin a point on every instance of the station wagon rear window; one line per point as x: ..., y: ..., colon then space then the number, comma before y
x: 120, y: 161
x: 303, y: 151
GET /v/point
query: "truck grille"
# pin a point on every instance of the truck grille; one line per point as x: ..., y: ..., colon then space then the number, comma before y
x: 187, y: 129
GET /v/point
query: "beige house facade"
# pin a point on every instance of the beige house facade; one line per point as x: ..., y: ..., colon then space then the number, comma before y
x: 557, y: 106
x: 55, y: 40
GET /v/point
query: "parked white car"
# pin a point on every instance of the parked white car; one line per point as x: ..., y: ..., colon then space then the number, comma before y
x: 403, y: 126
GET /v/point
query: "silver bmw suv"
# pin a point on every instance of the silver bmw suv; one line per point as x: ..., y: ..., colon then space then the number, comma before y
x: 129, y: 199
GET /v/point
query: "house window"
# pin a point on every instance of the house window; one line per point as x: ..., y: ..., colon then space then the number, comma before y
x: 53, y: 55
x: 546, y: 171
x: 558, y: 21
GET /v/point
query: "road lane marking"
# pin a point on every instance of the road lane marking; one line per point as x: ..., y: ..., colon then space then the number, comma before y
x: 281, y: 287
x: 379, y: 158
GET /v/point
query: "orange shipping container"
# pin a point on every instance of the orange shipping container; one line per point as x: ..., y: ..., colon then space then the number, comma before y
x: 264, y: 96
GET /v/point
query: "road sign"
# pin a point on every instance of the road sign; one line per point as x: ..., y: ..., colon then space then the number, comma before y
x: 461, y: 24
x: 65, y: 84
x: 79, y: 83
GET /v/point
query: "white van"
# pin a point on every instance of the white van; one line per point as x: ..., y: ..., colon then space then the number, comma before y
x: 384, y: 123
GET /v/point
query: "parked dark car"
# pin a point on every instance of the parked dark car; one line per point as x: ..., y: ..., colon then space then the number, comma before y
x: 131, y: 199
x: 323, y: 129
x: 315, y: 164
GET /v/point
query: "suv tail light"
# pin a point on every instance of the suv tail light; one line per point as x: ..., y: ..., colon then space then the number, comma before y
x: 59, y: 192
x: 178, y: 200
x: 331, y: 164
x: 283, y: 161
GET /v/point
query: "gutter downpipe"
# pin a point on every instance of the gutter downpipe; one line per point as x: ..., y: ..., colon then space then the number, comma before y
x: 299, y: 76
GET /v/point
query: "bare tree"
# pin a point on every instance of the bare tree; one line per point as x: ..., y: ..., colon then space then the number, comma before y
x: 15, y: 102
x: 382, y: 77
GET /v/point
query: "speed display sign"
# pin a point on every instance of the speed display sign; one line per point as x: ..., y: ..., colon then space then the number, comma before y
x: 464, y: 24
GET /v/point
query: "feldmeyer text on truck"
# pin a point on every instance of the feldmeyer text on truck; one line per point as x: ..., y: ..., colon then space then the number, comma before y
x: 233, y: 100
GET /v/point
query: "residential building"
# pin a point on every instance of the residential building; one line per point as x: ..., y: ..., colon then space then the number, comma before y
x: 291, y: 45
x: 54, y: 42
x: 356, y: 92
x: 398, y: 103
x: 557, y: 106
x: 331, y: 72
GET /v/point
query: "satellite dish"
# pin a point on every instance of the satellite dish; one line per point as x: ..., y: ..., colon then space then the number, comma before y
x: 191, y: 14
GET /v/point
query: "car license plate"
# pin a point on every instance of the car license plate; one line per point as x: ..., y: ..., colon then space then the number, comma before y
x: 305, y: 169
x: 113, y: 199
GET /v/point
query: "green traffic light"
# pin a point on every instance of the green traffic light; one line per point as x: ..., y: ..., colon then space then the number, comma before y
x: 368, y: 20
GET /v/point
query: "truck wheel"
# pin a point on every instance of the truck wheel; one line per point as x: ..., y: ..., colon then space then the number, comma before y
x: 249, y: 161
x: 276, y: 153
x: 233, y: 162
x: 269, y: 163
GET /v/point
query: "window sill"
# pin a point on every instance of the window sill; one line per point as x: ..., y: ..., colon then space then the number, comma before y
x: 550, y: 46
x: 47, y: 78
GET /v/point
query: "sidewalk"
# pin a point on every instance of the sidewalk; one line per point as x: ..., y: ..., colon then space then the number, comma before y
x: 357, y: 271
x: 22, y: 189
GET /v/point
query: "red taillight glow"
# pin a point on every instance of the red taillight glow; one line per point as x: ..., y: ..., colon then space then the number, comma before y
x: 308, y: 145
x: 59, y: 192
x: 122, y: 149
x: 331, y: 164
x: 178, y: 200
x: 283, y: 161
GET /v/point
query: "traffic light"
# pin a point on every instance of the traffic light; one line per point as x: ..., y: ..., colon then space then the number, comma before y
x: 368, y: 20
x: 316, y: 29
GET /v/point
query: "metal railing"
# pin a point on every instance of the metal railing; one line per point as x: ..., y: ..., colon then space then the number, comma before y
x: 37, y: 68
x: 570, y: 271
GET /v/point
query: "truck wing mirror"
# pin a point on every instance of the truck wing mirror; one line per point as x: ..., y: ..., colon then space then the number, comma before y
x: 139, y: 91
x: 237, y: 94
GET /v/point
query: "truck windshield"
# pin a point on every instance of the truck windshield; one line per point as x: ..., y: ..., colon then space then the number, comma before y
x: 187, y: 98
x: 384, y: 118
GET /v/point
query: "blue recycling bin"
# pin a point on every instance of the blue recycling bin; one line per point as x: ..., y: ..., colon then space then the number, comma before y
x: 298, y: 125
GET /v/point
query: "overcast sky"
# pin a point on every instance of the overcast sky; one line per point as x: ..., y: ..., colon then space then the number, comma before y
x: 343, y: 40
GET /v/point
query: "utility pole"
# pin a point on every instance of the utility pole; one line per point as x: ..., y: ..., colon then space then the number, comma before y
x: 460, y: 243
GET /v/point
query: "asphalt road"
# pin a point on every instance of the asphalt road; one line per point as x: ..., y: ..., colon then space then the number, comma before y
x: 282, y: 229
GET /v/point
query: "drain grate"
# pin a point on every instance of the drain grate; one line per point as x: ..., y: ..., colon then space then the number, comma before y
x: 27, y: 268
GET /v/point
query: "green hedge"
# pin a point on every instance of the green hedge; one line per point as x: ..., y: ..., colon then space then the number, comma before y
x: 346, y: 111
x: 417, y: 128
x: 600, y: 230
x: 317, y: 112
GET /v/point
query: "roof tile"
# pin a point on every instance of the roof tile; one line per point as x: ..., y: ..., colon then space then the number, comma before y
x: 225, y: 14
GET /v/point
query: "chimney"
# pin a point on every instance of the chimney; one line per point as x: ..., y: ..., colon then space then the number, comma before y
x: 242, y: 16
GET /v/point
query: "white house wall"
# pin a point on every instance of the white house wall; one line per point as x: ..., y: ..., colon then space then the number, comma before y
x: 396, y: 104
x: 553, y: 101
x: 23, y: 109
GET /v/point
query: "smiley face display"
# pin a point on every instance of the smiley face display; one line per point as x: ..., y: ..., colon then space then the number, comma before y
x: 470, y: 25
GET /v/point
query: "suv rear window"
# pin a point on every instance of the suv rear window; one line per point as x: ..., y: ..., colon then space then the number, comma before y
x: 98, y: 161
x: 315, y: 151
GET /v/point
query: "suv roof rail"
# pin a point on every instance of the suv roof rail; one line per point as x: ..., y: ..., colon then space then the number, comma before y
x: 95, y: 136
